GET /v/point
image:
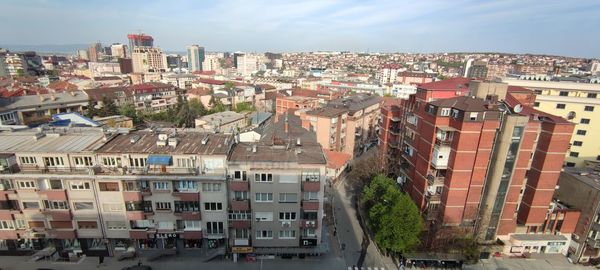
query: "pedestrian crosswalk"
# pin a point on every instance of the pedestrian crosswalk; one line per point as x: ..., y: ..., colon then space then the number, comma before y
x: 365, y: 268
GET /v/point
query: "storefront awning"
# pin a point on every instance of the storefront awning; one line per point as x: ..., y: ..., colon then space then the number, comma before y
x: 159, y: 160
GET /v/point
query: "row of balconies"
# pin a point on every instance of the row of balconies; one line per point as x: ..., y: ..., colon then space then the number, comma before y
x: 245, y: 186
x: 120, y: 170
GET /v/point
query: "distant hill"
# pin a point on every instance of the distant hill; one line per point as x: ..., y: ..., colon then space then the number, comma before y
x: 46, y: 48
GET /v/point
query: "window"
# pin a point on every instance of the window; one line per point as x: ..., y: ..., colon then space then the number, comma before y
x: 28, y: 160
x: 563, y: 93
x: 263, y: 216
x: 455, y: 113
x: 79, y: 185
x: 53, y: 161
x: 584, y: 121
x: 287, y: 234
x: 7, y: 225
x: 473, y: 116
x: 445, y: 112
x: 31, y: 205
x: 137, y: 162
x: 239, y: 215
x: 264, y: 234
x: 430, y: 109
x: 310, y: 215
x: 56, y: 205
x: 185, y: 163
x: 263, y: 177
x: 83, y: 161
x: 239, y: 175
x: 111, y: 161
x: 310, y: 176
x: 108, y: 186
x: 309, y: 232
x: 160, y: 185
x: 589, y: 108
x: 536, y: 104
x: 211, y: 187
x: 56, y: 184
x: 241, y: 233
x: 287, y: 216
x: 574, y: 154
x: 311, y: 195
x: 20, y: 224
x: 26, y: 184
x: 592, y: 95
x: 288, y: 197
x: 288, y: 178
x: 186, y: 185
x: 163, y: 205
x: 87, y: 225
x: 112, y: 207
x: 240, y: 195
x: 192, y: 225
x: 560, y: 106
x: 213, y: 206
x: 577, y: 143
x: 264, y: 197
x: 116, y: 225
x: 581, y: 132
x: 214, y: 227
x: 186, y: 206
x: 83, y: 205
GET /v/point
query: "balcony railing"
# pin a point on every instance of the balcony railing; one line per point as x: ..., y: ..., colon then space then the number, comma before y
x: 435, y: 180
x: 445, y: 141
x: 434, y: 197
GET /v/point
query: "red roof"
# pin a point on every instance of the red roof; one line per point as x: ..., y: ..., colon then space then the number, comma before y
x: 211, y: 81
x: 336, y: 160
x: 205, y: 72
x: 447, y: 85
x: 199, y: 91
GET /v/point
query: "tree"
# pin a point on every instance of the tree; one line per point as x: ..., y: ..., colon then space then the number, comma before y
x: 108, y: 107
x: 197, y: 107
x: 229, y: 85
x: 244, y: 107
x: 185, y: 117
x: 129, y: 111
x: 364, y: 169
x: 91, y: 110
x: 393, y: 217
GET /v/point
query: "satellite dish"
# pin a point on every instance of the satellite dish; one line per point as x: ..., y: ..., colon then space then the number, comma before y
x: 571, y: 115
x: 518, y: 108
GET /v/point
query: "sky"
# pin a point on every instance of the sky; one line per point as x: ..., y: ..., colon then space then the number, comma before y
x: 568, y: 27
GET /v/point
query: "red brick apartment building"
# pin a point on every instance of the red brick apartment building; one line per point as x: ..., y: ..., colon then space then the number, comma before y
x: 474, y: 158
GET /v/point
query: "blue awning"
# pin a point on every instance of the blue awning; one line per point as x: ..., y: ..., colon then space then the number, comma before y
x: 159, y: 160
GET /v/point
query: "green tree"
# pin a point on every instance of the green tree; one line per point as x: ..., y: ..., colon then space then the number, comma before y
x: 229, y: 85
x: 197, y: 107
x: 244, y: 107
x: 393, y: 217
x: 217, y: 105
x: 129, y: 111
x: 108, y: 107
x: 185, y: 117
x: 91, y: 110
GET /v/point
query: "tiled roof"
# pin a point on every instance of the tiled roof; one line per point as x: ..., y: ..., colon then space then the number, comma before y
x: 446, y: 85
x: 336, y: 160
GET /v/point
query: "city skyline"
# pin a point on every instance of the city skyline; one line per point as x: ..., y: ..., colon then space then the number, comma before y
x: 292, y: 26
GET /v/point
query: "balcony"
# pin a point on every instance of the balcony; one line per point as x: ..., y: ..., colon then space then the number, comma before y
x: 240, y: 224
x: 310, y: 205
x: 61, y: 233
x: 444, y: 141
x: 58, y: 215
x: 394, y: 144
x: 435, y: 180
x: 146, y: 191
x: 239, y: 205
x: 394, y: 131
x: 189, y: 215
x: 54, y: 194
x: 433, y: 196
x: 135, y: 215
x: 239, y: 186
x: 440, y: 156
x: 309, y: 223
x: 311, y: 186
x: 132, y: 196
x: 168, y: 170
x: 187, y: 196
x: 241, y: 242
x: 64, y: 170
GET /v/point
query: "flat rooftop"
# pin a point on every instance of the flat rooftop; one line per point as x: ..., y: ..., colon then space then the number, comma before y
x: 43, y: 101
x: 57, y: 140
x: 222, y: 117
x: 189, y: 142
x: 589, y: 176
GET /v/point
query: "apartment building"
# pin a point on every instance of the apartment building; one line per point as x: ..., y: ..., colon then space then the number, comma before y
x: 148, y: 59
x: 276, y: 192
x: 580, y: 188
x: 147, y: 97
x: 389, y: 132
x: 485, y: 164
x: 348, y: 124
x: 36, y: 109
x: 284, y: 103
x: 577, y: 102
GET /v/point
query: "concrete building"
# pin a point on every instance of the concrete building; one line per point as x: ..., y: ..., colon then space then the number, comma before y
x: 211, y: 62
x: 347, y: 124
x: 413, y: 78
x: 484, y: 164
x: 276, y: 192
x: 389, y: 133
x: 148, y: 59
x: 94, y: 51
x: 577, y: 102
x: 248, y: 64
x: 118, y: 50
x: 478, y: 70
x: 226, y: 122
x: 137, y: 40
x: 3, y: 67
x: 99, y: 69
x: 284, y: 104
x: 103, y: 194
x: 195, y: 57
x: 388, y: 73
x: 16, y: 64
x: 580, y: 188
x: 37, y: 109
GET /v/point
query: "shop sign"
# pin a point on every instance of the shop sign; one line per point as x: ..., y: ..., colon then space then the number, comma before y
x: 242, y: 249
x: 166, y: 235
x: 308, y: 242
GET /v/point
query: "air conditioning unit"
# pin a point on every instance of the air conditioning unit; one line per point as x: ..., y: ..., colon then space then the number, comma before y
x: 286, y: 224
x: 2, y: 168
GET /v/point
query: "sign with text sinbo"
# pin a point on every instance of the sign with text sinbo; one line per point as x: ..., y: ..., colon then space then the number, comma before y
x: 242, y: 249
x: 166, y: 235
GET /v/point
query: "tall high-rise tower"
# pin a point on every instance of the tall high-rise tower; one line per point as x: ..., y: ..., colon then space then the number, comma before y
x: 136, y: 40
x: 195, y: 55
